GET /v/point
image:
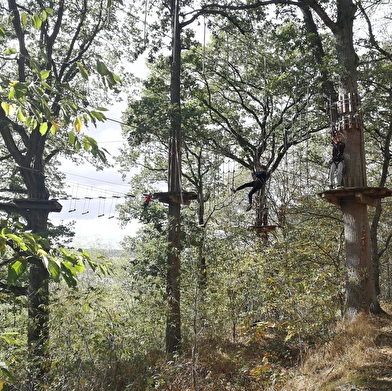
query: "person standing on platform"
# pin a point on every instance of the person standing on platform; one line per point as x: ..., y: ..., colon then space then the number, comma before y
x: 337, y: 162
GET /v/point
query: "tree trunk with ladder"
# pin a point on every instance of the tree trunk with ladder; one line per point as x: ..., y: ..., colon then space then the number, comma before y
x: 360, y: 287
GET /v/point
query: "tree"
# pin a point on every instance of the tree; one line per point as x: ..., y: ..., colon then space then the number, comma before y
x: 361, y: 292
x: 50, y: 56
x: 376, y: 91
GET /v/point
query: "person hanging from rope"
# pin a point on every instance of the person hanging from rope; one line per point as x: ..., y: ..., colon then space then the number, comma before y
x: 147, y: 200
x: 337, y: 161
x: 259, y: 178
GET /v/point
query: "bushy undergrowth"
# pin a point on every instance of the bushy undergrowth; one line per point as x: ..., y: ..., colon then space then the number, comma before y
x: 253, y: 321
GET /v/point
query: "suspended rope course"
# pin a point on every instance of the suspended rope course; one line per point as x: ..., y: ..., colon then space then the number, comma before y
x: 92, y: 200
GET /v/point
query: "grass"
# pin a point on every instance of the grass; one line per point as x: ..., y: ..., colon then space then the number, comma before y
x: 357, y: 358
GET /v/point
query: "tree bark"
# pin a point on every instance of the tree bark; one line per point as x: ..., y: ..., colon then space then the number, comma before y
x: 173, y: 320
x: 361, y: 293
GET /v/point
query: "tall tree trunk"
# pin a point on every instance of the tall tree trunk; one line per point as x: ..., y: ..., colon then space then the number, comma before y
x: 361, y: 293
x: 377, y: 214
x: 38, y: 293
x: 173, y: 321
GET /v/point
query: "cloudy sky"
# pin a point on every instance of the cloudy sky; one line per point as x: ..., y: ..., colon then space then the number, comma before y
x: 95, y: 194
x: 96, y: 223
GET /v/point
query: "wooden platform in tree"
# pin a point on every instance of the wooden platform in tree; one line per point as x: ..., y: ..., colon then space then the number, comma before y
x: 363, y: 195
x: 263, y: 228
x: 184, y: 197
x: 29, y: 203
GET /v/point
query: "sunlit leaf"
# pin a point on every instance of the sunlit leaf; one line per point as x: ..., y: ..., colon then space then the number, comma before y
x: 18, y: 240
x: 82, y: 70
x: 43, y: 128
x: 15, y: 270
x: 6, y: 107
x: 37, y: 22
x: 9, y: 51
x: 55, y: 127
x: 78, y: 124
x: 8, y: 337
x: 71, y: 137
x: 98, y: 115
x: 44, y: 74
x: 23, y: 18
x: 20, y: 115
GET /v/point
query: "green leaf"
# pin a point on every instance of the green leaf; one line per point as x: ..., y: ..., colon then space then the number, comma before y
x: 7, y: 374
x: 6, y: 107
x: 46, y: 110
x: 54, y: 270
x: 98, y: 115
x: 10, y: 51
x: 11, y: 94
x: 71, y: 137
x: 83, y: 70
x: 20, y: 115
x: 102, y: 68
x: 43, y: 128
x: 79, y: 267
x: 15, y: 270
x: 44, y: 74
x: 78, y: 124
x: 18, y: 241
x: 7, y: 338
x: 23, y: 18
x: 116, y: 78
x: 37, y: 22
x: 77, y: 145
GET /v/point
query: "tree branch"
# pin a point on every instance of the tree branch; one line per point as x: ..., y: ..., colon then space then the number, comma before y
x: 16, y: 290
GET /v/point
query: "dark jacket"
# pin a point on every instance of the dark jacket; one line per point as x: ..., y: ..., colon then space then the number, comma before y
x: 260, y: 176
x: 337, y: 151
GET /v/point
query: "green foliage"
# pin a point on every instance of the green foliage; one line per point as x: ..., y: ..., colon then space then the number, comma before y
x: 20, y: 248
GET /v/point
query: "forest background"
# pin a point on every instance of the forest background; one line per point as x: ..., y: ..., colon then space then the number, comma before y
x: 252, y: 302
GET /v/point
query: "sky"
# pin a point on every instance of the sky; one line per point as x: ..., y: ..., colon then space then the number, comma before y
x: 95, y: 194
x: 96, y: 223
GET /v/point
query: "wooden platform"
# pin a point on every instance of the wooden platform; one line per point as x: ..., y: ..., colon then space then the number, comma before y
x: 363, y: 195
x: 184, y: 198
x: 27, y: 203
